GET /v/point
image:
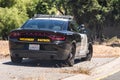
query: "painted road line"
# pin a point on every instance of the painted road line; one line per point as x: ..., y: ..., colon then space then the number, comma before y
x: 100, y: 78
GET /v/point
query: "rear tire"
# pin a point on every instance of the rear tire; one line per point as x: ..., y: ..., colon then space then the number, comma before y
x: 89, y: 54
x: 16, y: 59
x: 70, y: 60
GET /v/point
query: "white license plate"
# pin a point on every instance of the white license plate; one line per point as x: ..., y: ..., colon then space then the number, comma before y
x: 34, y: 47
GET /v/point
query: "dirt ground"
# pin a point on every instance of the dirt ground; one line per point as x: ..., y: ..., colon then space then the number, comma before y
x: 4, y: 49
x: 104, y: 50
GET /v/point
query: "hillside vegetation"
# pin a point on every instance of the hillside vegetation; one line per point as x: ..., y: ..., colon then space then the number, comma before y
x: 95, y: 14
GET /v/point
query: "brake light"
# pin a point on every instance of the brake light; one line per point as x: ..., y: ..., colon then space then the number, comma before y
x: 57, y: 37
x: 14, y: 34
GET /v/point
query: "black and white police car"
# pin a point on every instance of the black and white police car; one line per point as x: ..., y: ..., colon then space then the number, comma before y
x: 49, y: 37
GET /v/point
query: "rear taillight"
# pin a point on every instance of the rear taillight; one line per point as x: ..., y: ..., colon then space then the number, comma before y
x: 57, y: 37
x: 14, y: 35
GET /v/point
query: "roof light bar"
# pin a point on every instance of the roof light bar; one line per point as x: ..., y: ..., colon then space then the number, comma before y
x: 52, y: 16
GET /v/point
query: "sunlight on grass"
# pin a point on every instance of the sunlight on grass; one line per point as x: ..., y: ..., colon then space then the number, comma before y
x: 76, y: 71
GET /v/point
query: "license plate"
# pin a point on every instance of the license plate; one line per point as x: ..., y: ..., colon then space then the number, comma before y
x: 34, y: 47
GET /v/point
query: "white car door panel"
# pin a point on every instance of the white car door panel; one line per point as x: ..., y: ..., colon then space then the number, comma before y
x: 84, y: 45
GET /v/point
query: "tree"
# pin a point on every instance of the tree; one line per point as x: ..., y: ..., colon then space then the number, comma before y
x: 7, y: 3
x: 42, y: 7
x: 96, y: 14
x: 13, y: 13
x: 61, y: 6
x: 10, y: 21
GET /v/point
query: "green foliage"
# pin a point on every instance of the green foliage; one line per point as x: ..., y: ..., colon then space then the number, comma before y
x: 62, y: 6
x: 12, y: 15
x: 10, y: 21
x: 42, y: 7
x: 94, y: 13
x: 7, y: 3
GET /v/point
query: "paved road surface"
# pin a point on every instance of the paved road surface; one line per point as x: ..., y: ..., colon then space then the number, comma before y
x: 115, y: 76
x: 44, y: 70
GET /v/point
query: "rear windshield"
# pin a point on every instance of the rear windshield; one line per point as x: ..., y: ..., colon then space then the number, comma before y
x: 45, y: 24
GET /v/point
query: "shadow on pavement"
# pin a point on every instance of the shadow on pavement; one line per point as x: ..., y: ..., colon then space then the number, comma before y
x: 40, y: 63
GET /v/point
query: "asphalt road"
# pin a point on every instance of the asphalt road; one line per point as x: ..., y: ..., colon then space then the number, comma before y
x: 115, y: 76
x: 45, y: 70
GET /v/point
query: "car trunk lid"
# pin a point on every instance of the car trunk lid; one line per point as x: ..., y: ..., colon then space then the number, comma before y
x: 37, y: 35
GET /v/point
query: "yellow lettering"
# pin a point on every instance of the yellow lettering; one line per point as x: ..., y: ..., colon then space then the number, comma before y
x: 44, y: 40
x: 26, y: 39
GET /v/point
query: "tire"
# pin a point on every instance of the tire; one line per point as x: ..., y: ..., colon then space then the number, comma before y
x: 90, y: 53
x: 70, y: 60
x: 16, y: 59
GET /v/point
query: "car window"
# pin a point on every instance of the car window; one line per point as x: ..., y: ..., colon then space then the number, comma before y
x: 72, y: 27
x: 45, y: 24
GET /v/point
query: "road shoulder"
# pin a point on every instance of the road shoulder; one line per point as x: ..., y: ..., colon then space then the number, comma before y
x: 99, y: 72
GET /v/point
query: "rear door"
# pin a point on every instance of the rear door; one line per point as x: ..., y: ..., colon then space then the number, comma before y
x: 84, y: 45
x: 77, y: 37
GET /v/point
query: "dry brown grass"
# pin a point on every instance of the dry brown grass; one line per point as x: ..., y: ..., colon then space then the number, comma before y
x: 109, y: 49
x: 4, y: 49
x: 113, y: 40
x: 106, y: 51
x: 76, y: 71
x: 98, y: 50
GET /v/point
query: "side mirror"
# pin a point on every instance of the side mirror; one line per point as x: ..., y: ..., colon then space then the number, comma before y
x: 81, y: 28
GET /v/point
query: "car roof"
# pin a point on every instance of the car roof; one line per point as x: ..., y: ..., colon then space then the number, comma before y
x: 60, y: 19
x: 52, y: 17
